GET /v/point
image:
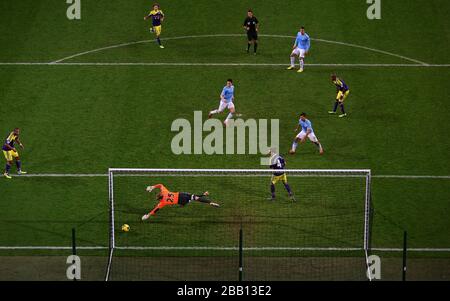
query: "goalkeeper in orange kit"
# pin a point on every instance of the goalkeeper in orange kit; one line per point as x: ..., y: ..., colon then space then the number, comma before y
x: 168, y: 198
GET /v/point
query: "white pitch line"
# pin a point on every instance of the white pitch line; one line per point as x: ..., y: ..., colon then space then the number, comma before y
x: 411, y: 249
x: 50, y: 248
x: 420, y: 63
x: 223, y: 248
x: 220, y: 64
x: 411, y: 176
x: 88, y: 175
x: 238, y: 35
x: 57, y: 175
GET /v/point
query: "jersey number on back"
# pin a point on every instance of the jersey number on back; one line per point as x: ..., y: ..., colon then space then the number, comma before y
x: 170, y: 197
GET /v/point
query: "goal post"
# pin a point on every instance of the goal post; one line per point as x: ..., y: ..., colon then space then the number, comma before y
x: 325, y: 231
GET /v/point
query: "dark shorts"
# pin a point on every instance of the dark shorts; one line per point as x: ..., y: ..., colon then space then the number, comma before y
x: 184, y: 198
x: 252, y: 35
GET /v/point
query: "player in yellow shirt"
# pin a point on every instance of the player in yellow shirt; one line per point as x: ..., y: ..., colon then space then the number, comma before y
x: 157, y: 17
x: 10, y: 152
x: 342, y: 91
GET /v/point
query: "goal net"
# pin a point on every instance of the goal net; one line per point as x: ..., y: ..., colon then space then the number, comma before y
x: 323, y: 235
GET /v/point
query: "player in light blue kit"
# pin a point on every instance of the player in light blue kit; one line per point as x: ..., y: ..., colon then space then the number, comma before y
x: 226, y: 101
x: 300, y: 49
x: 307, y: 131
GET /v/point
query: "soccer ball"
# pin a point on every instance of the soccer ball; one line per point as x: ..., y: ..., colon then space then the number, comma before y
x: 125, y: 227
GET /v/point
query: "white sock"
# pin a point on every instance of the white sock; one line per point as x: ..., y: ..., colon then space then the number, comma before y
x: 230, y: 115
x: 292, y: 61
x: 294, y: 146
x: 301, y: 63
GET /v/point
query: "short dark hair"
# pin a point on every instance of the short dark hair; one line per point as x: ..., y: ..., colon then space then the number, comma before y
x: 230, y: 80
x: 303, y: 27
x: 156, y: 4
x: 249, y: 10
x: 303, y: 114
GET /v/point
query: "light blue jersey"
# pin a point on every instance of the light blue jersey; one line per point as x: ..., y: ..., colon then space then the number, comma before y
x: 306, y: 125
x: 302, y: 41
x: 228, y: 93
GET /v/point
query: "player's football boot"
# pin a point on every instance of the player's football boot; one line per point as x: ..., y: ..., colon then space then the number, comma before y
x: 271, y: 199
x: 290, y: 68
x: 7, y: 175
x: 145, y: 217
x: 161, y: 46
x: 331, y: 112
x: 321, y: 151
x: 214, y: 204
x: 343, y: 115
x: 151, y: 29
x: 300, y: 70
x: 291, y: 151
x: 21, y: 172
x: 292, y: 198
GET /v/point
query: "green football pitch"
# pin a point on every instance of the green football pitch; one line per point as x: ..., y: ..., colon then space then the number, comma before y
x: 96, y: 93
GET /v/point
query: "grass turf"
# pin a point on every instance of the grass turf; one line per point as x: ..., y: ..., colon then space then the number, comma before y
x: 84, y: 119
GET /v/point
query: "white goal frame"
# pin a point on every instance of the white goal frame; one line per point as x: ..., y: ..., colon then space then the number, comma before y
x: 360, y: 173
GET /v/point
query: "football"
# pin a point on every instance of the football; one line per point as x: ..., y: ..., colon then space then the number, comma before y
x: 125, y: 227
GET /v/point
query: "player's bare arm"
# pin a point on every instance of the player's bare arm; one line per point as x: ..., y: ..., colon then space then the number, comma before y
x: 20, y: 143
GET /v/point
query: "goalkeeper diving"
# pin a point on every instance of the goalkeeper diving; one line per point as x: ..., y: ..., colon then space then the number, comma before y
x: 168, y: 198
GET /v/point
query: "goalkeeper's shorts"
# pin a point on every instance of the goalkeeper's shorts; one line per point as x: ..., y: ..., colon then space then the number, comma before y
x: 184, y: 198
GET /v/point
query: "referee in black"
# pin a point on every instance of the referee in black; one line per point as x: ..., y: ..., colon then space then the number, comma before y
x: 251, y: 26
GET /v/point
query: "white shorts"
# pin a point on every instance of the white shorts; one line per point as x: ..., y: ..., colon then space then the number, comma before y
x: 311, y: 136
x: 299, y: 52
x: 225, y: 105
